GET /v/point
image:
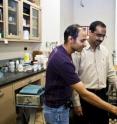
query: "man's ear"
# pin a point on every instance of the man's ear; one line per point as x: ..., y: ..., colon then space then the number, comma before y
x: 89, y: 31
x: 70, y: 39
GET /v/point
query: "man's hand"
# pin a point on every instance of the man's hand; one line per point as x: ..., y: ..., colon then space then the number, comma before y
x: 78, y: 110
x: 114, y: 110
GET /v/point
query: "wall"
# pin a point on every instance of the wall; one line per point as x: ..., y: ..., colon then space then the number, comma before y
x: 115, y: 56
x: 56, y: 16
x: 50, y: 20
x: 66, y: 16
x: 103, y: 10
x: 16, y: 49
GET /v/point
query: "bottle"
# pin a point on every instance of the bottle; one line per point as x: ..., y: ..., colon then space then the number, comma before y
x: 11, y: 66
x: 1, y: 14
x: 114, y: 58
x: 0, y: 32
x: 26, y: 34
x: 26, y: 55
x: 17, y: 64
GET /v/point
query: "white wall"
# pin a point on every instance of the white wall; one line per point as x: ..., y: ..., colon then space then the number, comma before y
x: 66, y: 16
x: 115, y: 59
x: 103, y: 10
x: 50, y: 20
x: 56, y: 16
x: 16, y: 49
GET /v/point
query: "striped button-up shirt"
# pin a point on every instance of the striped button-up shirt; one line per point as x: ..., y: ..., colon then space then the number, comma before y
x: 94, y: 69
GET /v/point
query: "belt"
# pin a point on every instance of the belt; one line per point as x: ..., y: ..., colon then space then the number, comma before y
x: 67, y: 104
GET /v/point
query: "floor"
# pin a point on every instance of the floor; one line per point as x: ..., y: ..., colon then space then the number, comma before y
x: 24, y: 118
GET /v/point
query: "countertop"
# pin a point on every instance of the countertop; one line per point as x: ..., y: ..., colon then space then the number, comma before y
x: 15, y: 76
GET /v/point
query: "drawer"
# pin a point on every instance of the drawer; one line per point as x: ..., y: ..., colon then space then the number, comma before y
x: 26, y: 81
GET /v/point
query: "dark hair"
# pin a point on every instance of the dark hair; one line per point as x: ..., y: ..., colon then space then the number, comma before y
x: 94, y: 24
x: 72, y: 31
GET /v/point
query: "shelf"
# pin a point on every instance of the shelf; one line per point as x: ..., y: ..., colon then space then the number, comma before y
x: 35, y: 28
x: 10, y: 34
x: 26, y: 26
x: 12, y: 23
x: 1, y: 6
x: 2, y: 39
x: 25, y: 14
x: 11, y: 9
x: 22, y: 40
x: 31, y: 4
x: 34, y: 17
x: 1, y: 21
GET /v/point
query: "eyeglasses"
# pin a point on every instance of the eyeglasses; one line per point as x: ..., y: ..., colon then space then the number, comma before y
x: 100, y: 35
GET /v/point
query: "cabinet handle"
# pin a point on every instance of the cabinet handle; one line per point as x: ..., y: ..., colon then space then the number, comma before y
x: 1, y: 94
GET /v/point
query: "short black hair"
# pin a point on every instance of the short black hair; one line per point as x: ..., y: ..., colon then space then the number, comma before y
x: 94, y: 24
x: 72, y: 31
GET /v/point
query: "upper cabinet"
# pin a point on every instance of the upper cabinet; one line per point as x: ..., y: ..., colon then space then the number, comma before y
x: 2, y: 21
x: 31, y: 22
x: 12, y: 19
x: 20, y: 20
x: 35, y: 23
x: 26, y: 21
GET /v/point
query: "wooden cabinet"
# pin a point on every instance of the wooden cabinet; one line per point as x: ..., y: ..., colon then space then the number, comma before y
x: 20, y: 20
x: 12, y: 19
x: 7, y: 97
x: 43, y: 76
x: 35, y: 79
x: 35, y: 23
x: 2, y: 19
x: 7, y: 105
x: 31, y: 22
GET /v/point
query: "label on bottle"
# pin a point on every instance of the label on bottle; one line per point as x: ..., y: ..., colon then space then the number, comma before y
x: 26, y: 57
x: 0, y: 35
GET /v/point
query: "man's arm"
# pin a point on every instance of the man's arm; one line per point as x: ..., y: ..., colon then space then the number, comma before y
x: 93, y: 99
x: 75, y: 98
x: 76, y: 57
x: 76, y: 103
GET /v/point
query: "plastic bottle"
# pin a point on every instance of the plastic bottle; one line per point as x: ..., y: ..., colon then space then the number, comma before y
x: 1, y: 14
x: 0, y: 33
x: 17, y: 64
x: 26, y: 55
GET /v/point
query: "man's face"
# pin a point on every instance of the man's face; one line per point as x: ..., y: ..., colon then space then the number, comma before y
x: 79, y: 42
x: 97, y: 36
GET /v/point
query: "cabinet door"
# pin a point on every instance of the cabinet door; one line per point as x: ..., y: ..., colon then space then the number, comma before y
x: 13, y: 19
x: 7, y: 106
x: 2, y: 19
x: 43, y: 79
x: 35, y: 23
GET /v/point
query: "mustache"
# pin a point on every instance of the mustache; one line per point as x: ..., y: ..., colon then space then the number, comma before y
x: 98, y: 41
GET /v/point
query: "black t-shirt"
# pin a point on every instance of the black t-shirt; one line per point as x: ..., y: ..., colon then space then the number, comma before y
x: 60, y: 74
